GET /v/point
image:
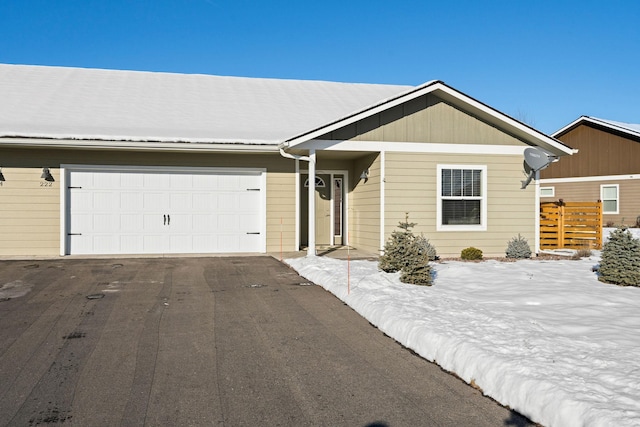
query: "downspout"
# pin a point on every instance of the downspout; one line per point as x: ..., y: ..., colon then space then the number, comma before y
x: 311, y: 238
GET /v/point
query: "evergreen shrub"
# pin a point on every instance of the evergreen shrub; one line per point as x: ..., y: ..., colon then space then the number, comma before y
x: 471, y: 254
x: 408, y: 254
x: 620, y: 259
x: 518, y: 248
x: 423, y: 244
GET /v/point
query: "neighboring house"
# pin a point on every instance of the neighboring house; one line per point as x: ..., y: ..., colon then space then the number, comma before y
x: 124, y: 162
x: 606, y: 167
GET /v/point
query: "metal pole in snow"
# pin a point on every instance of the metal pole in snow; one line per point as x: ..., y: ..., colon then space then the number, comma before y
x: 280, y: 239
x: 348, y: 266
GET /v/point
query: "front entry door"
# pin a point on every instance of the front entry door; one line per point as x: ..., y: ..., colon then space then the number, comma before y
x: 323, y: 210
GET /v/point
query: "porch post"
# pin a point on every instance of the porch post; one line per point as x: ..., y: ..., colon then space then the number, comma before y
x: 311, y: 238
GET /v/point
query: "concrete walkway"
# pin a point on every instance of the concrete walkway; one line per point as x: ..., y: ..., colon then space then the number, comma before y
x: 240, y: 341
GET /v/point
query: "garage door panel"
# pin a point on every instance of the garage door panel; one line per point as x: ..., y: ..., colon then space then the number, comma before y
x: 83, y: 199
x: 131, y: 244
x: 181, y: 223
x: 81, y: 222
x: 105, y: 180
x: 131, y: 201
x: 105, y: 223
x: 153, y: 223
x: 151, y: 243
x: 204, y: 202
x: 180, y: 181
x: 131, y: 180
x: 131, y: 222
x: 128, y: 212
x: 106, y: 241
x: 106, y: 201
x: 154, y: 201
x: 247, y: 201
x: 154, y: 181
x: 180, y: 202
x: 81, y: 179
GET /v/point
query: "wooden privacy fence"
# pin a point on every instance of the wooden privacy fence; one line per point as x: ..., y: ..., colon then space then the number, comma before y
x: 572, y: 225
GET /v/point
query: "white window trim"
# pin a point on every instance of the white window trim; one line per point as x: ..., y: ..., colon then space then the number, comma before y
x: 617, y: 186
x: 553, y: 191
x: 483, y: 201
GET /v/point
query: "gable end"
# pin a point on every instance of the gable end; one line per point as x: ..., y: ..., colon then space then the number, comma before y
x: 426, y: 119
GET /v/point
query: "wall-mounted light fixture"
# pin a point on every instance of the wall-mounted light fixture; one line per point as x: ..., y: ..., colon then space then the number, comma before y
x: 365, y: 175
x: 46, y: 175
x: 1, y: 176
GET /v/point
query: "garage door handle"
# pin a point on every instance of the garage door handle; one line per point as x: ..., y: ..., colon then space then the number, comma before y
x: 74, y: 234
x: 253, y: 232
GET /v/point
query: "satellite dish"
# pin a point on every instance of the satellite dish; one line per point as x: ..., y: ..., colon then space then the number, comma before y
x: 534, y: 161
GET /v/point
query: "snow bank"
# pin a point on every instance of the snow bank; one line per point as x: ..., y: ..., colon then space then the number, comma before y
x: 545, y: 338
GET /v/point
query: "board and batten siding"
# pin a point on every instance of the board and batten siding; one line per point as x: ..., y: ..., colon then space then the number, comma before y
x: 411, y: 187
x: 589, y: 191
x: 425, y: 119
x: 30, y: 207
x: 601, y: 152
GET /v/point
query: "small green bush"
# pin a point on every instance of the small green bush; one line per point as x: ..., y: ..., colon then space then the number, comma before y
x: 397, y: 247
x: 408, y: 254
x: 425, y: 246
x: 471, y: 254
x: 416, y: 270
x: 620, y: 259
x: 518, y: 248
x: 583, y: 253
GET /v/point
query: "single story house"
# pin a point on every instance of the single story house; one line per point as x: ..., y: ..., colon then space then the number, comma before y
x: 125, y: 162
x: 606, y: 168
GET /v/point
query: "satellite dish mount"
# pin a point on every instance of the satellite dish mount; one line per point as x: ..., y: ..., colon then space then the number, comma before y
x: 535, y: 160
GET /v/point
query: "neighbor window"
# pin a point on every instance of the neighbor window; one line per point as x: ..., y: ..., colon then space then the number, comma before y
x: 462, y: 203
x: 547, y: 191
x: 609, y: 197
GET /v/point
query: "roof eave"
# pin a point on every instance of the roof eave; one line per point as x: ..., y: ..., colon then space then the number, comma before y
x: 104, y: 144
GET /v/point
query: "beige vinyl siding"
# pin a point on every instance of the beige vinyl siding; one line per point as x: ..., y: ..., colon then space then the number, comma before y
x: 281, y: 211
x: 411, y: 187
x: 589, y: 191
x: 31, y: 213
x: 424, y: 119
x: 364, y: 205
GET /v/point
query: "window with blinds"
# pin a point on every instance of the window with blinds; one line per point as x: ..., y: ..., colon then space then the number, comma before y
x: 461, y: 196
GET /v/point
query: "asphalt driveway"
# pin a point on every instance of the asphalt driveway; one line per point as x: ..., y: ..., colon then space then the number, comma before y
x: 241, y: 341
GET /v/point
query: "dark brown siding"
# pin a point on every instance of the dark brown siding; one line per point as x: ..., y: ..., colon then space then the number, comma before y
x: 601, y: 153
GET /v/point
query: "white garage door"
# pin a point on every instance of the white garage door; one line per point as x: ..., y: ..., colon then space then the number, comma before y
x: 154, y: 212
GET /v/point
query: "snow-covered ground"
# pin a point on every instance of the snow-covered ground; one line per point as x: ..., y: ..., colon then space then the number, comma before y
x: 543, y: 337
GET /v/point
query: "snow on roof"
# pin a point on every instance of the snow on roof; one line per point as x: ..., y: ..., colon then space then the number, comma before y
x: 96, y: 104
x: 629, y: 128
